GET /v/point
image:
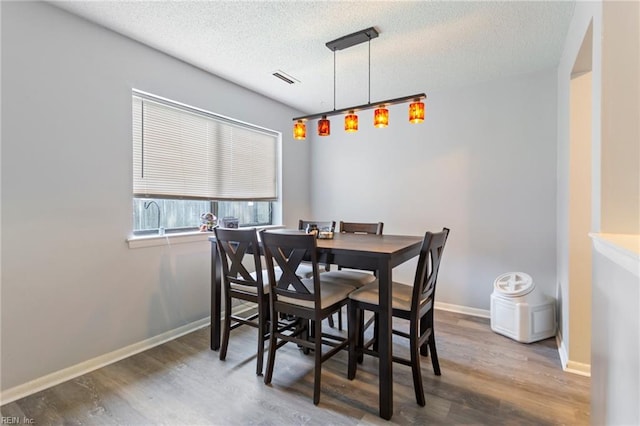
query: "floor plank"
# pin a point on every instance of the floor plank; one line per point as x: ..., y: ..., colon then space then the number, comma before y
x: 487, y: 379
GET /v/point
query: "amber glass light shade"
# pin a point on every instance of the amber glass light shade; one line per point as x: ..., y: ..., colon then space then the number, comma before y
x: 324, y: 126
x: 299, y: 130
x: 416, y: 112
x: 351, y: 122
x: 381, y: 117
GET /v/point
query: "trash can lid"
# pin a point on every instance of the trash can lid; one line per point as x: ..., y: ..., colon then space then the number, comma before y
x: 514, y: 284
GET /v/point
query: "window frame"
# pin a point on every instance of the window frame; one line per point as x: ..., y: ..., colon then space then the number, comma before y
x: 214, y: 207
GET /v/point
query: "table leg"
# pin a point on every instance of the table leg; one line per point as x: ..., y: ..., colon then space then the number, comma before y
x: 385, y: 342
x: 216, y: 286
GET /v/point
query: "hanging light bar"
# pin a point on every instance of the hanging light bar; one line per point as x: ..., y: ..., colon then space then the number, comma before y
x: 416, y: 98
x: 381, y: 114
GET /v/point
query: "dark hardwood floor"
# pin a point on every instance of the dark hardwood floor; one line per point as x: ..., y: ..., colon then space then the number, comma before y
x: 487, y: 379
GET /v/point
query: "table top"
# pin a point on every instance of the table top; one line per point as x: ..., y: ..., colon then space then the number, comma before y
x: 348, y: 242
x: 370, y: 243
x: 387, y: 244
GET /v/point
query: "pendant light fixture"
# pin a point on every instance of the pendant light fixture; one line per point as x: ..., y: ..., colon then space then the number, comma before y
x: 299, y: 130
x: 381, y: 117
x: 351, y: 122
x: 381, y: 113
x: 324, y: 126
x: 416, y: 112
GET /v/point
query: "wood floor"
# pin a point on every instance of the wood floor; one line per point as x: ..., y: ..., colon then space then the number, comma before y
x: 487, y: 379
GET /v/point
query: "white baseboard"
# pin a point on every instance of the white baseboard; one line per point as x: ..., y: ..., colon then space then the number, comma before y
x: 88, y: 366
x: 483, y: 313
x: 562, y: 350
x: 578, y: 368
x: 568, y: 365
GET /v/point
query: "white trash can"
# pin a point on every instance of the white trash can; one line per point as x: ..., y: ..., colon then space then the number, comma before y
x: 518, y: 311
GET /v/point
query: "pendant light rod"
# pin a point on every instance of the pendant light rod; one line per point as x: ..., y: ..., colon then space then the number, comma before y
x: 334, y: 80
x: 369, y: 98
x: 369, y: 105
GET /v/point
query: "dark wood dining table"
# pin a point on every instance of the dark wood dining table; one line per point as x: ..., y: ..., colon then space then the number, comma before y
x: 380, y: 253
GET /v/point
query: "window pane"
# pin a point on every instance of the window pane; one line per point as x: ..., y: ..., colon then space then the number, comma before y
x: 150, y: 214
x: 249, y: 213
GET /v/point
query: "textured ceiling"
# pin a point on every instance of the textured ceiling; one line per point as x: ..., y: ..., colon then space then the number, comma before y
x: 423, y: 45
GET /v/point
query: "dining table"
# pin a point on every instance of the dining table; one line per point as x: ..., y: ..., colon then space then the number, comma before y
x: 379, y: 253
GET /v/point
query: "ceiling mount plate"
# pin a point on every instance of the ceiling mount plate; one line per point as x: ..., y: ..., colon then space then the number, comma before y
x: 352, y: 39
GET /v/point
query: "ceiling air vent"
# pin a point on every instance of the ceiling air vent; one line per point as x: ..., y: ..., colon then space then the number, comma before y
x: 285, y: 77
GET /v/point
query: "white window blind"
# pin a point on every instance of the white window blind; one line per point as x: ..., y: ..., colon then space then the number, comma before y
x: 180, y: 152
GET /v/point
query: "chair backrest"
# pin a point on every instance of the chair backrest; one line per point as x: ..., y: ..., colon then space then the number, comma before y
x: 361, y: 228
x: 302, y: 224
x: 233, y: 244
x: 424, y: 286
x: 286, y: 251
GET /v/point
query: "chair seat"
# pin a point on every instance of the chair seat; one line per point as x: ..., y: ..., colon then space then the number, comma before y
x: 358, y: 278
x: 305, y: 270
x: 400, y: 295
x: 333, y: 291
x: 254, y: 290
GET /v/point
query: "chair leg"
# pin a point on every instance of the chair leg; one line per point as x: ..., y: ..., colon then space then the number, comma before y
x: 360, y: 334
x: 330, y: 321
x: 339, y: 319
x: 304, y: 333
x: 273, y: 341
x: 262, y: 329
x: 424, y: 325
x: 227, y: 329
x: 434, y: 354
x: 317, y: 370
x: 415, y: 367
x: 353, y: 325
x: 376, y: 331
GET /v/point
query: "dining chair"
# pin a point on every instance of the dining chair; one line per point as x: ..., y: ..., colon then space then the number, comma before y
x: 311, y: 299
x: 362, y: 277
x: 362, y: 228
x: 359, y: 228
x: 413, y: 303
x: 239, y: 283
x: 305, y: 269
x: 302, y: 224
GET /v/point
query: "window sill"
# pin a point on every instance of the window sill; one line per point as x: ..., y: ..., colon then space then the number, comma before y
x: 177, y: 238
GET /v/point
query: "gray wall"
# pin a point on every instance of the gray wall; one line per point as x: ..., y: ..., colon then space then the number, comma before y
x: 615, y: 354
x: 620, y: 151
x: 71, y: 288
x: 615, y: 317
x: 482, y: 164
x: 615, y: 385
x: 575, y: 334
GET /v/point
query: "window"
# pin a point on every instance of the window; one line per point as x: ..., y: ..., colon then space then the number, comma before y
x: 187, y: 162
